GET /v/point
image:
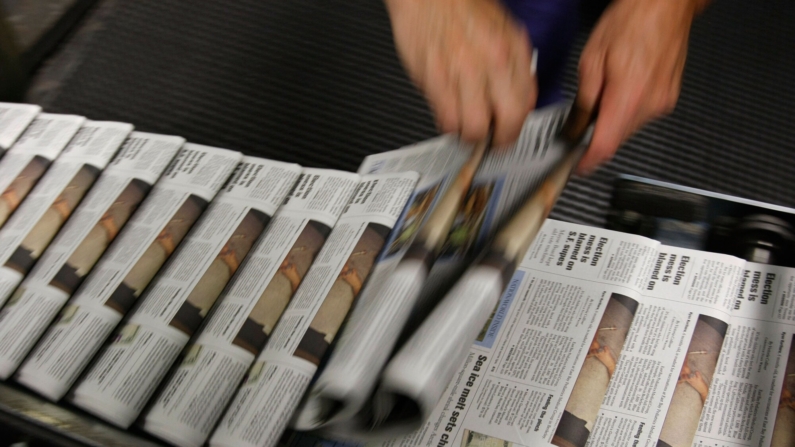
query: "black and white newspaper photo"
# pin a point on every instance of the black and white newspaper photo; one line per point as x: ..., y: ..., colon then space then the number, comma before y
x: 25, y: 163
x: 124, y: 271
x: 107, y: 207
x: 51, y: 202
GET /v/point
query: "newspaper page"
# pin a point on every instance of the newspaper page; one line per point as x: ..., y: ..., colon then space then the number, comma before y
x: 51, y: 202
x: 107, y: 207
x: 274, y: 385
x: 752, y: 398
x: 658, y: 386
x: 194, y: 397
x: 14, y: 118
x: 127, y: 371
x: 177, y: 200
x: 654, y: 366
x: 446, y: 167
x: 24, y: 164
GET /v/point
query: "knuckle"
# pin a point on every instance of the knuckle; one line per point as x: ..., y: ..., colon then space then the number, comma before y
x: 511, y: 111
x: 500, y: 54
x: 469, y: 69
x: 447, y: 121
x: 475, y: 127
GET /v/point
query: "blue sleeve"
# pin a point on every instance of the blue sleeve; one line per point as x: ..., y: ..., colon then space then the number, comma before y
x: 552, y: 25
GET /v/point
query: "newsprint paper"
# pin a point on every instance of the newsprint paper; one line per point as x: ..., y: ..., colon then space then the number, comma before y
x: 14, y: 118
x: 184, y: 414
x: 25, y: 163
x: 501, y: 182
x: 127, y: 371
x: 121, y: 275
x: 590, y: 338
x: 236, y: 332
x: 608, y: 339
x: 281, y: 373
x: 50, y: 204
x: 71, y: 256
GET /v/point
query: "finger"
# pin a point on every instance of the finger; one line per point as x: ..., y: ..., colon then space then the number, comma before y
x: 619, y: 106
x: 442, y: 94
x: 474, y: 107
x: 512, y: 93
x: 526, y: 59
x: 591, y: 74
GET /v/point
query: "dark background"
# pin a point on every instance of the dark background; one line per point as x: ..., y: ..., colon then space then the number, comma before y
x: 317, y: 82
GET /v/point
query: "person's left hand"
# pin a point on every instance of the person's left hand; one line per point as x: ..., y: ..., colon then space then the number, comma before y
x: 631, y: 69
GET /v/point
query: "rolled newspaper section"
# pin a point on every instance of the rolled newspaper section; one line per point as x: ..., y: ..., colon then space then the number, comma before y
x: 281, y: 374
x: 415, y: 378
x: 195, y: 395
x: 14, y: 118
x: 71, y: 256
x: 127, y: 371
x: 25, y: 163
x: 477, y: 204
x: 50, y: 204
x: 194, y: 177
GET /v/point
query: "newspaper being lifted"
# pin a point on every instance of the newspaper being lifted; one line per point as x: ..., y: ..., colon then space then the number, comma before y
x: 14, y: 118
x: 605, y: 338
x: 465, y: 217
x: 106, y: 208
x: 261, y: 409
x: 29, y: 231
x: 190, y: 404
x: 177, y: 200
x: 126, y: 373
x: 24, y: 164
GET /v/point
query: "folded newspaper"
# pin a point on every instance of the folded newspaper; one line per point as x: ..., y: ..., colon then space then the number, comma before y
x: 346, y: 305
x: 70, y: 258
x: 14, y: 118
x: 124, y: 271
x: 51, y: 202
x: 172, y: 308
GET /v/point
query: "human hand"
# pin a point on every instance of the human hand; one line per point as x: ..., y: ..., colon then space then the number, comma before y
x: 631, y: 69
x: 472, y: 62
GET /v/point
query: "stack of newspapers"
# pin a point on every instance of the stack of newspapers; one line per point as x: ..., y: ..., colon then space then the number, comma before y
x: 212, y: 298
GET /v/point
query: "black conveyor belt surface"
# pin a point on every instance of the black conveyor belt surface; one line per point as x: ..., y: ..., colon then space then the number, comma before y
x: 317, y: 82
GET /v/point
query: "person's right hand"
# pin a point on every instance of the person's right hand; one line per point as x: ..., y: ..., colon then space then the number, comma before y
x: 631, y: 69
x: 471, y: 60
